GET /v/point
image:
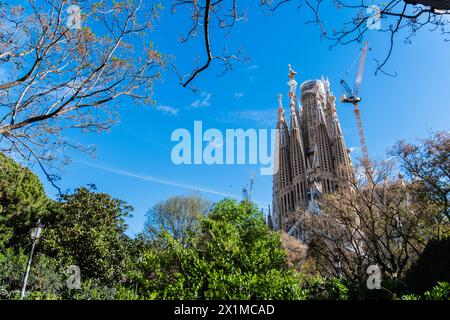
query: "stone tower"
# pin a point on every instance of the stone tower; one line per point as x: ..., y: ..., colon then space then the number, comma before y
x: 311, y: 155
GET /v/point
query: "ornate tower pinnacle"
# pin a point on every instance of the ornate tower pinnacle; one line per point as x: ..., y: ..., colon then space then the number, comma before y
x: 292, y: 83
x: 292, y: 73
x: 280, y: 108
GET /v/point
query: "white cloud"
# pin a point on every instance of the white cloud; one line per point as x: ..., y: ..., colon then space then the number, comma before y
x: 238, y: 95
x: 203, y: 102
x: 252, y: 67
x: 354, y: 149
x: 168, y: 110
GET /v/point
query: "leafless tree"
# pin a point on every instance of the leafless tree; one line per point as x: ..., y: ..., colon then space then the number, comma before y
x: 427, y: 166
x: 177, y: 215
x: 296, y: 251
x: 68, y: 65
x: 381, y: 223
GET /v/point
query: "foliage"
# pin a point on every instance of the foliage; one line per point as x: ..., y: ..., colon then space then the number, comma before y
x: 22, y: 202
x: 87, y: 229
x: 45, y: 280
x: 410, y: 297
x: 318, y: 288
x: 234, y: 256
x: 439, y: 292
x: 93, y: 290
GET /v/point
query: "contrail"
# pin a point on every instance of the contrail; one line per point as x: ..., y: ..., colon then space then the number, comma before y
x: 158, y: 180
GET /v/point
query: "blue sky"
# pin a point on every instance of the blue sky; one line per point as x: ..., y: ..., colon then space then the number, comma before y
x: 133, y: 161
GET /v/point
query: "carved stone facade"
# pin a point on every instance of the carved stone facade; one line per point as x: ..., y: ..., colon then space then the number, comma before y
x: 312, y: 158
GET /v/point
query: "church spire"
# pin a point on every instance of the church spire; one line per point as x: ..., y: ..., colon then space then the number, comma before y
x: 292, y: 97
x: 280, y: 108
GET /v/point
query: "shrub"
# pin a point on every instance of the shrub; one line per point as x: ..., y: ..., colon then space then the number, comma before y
x: 319, y: 288
x: 233, y: 256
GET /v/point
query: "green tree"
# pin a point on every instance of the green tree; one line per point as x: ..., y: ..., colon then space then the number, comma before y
x: 88, y: 230
x: 22, y: 201
x: 233, y: 256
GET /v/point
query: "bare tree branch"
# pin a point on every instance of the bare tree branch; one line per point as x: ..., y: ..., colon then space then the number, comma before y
x: 394, y: 16
x: 65, y: 77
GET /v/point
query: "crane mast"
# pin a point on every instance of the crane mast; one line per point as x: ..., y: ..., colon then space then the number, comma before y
x: 247, y: 194
x: 252, y: 180
x: 353, y: 98
x: 362, y: 138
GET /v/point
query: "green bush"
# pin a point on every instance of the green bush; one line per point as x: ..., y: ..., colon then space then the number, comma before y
x: 45, y: 280
x: 319, y: 288
x: 441, y: 291
x: 234, y: 256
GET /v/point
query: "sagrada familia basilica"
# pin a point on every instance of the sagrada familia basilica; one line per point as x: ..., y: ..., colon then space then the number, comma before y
x: 312, y: 158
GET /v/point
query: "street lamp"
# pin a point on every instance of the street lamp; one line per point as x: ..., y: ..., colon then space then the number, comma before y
x: 35, y: 234
x: 138, y: 260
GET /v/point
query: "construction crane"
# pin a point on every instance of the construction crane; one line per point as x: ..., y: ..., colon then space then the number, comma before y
x: 247, y: 194
x: 354, y: 98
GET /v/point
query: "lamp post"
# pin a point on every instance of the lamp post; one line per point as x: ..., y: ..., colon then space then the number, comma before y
x: 35, y: 234
x: 138, y: 260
